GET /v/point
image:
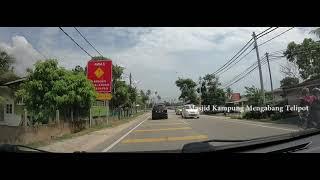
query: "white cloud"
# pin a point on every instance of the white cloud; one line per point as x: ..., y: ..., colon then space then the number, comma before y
x: 23, y: 52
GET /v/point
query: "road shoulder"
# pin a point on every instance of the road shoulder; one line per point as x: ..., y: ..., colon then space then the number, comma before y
x: 90, y: 142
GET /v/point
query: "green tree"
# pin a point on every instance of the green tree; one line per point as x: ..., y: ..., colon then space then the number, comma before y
x: 49, y: 87
x: 254, y: 96
x: 229, y: 93
x: 148, y: 93
x: 6, y: 69
x: 7, y: 77
x: 289, y: 82
x: 307, y: 57
x: 144, y: 97
x: 316, y: 32
x: 210, y: 91
x: 133, y: 94
x: 6, y: 61
x: 159, y: 97
x: 120, y: 89
x: 79, y: 69
x: 120, y: 95
x: 188, y: 90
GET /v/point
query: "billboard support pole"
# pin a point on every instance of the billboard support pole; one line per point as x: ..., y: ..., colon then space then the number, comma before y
x: 107, y: 107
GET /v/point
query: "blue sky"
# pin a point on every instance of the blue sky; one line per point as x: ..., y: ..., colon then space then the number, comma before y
x: 155, y: 56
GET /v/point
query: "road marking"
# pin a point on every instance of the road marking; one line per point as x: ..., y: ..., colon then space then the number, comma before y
x: 163, y: 129
x: 254, y: 124
x: 164, y: 139
x: 122, y: 137
x: 185, y: 122
x: 168, y: 124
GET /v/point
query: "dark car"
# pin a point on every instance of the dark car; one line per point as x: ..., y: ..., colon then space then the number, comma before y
x: 159, y: 111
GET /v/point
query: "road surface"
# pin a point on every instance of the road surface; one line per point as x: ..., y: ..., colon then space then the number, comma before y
x: 174, y: 132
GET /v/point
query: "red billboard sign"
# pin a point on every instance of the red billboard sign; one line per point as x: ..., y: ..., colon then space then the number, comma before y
x: 100, y: 73
x: 235, y: 96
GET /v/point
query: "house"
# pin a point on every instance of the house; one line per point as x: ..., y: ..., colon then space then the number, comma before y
x: 11, y: 109
x: 237, y: 100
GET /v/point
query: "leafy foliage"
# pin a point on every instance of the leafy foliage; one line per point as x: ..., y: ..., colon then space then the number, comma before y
x: 254, y: 96
x: 6, y: 61
x: 289, y: 82
x: 120, y: 89
x: 316, y: 32
x: 229, y: 93
x: 6, y: 69
x: 307, y: 56
x: 50, y: 87
x: 142, y: 98
x: 210, y: 91
x: 188, y: 91
x: 79, y: 69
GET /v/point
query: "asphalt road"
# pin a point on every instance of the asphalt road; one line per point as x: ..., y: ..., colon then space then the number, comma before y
x: 174, y: 132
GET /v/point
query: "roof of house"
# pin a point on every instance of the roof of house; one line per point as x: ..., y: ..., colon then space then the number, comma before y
x: 15, y: 81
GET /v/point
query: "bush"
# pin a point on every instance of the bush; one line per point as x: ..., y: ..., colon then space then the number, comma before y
x: 277, y: 116
x: 255, y: 115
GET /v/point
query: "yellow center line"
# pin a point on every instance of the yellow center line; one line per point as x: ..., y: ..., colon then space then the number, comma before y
x: 167, y: 124
x: 164, y: 139
x: 163, y: 129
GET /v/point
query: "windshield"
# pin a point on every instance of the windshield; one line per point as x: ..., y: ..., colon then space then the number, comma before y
x: 134, y: 89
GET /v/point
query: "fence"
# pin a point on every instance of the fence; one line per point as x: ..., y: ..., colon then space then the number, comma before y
x: 118, y: 113
x: 58, y: 125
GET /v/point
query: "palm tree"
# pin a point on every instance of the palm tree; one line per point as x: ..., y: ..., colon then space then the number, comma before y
x: 316, y: 32
x: 148, y: 94
x: 229, y: 92
x: 5, y: 61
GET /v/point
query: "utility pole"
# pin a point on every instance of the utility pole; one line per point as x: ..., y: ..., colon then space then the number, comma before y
x: 259, y: 65
x: 200, y: 91
x: 267, y: 56
x: 130, y: 78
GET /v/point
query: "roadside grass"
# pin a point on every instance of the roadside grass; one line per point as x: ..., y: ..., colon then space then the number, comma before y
x: 111, y: 123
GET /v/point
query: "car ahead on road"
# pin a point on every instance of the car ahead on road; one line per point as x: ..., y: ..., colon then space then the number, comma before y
x: 190, y: 111
x: 159, y: 111
x: 178, y: 110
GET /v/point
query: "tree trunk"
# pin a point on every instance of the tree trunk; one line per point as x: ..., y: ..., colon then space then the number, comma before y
x: 78, y: 114
x: 71, y: 114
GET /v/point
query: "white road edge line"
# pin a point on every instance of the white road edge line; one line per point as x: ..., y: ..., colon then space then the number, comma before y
x: 122, y: 137
x: 254, y: 124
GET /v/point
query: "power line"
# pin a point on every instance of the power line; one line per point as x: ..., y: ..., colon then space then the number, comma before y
x: 266, y: 32
x: 230, y: 61
x: 75, y: 42
x: 245, y: 71
x: 87, y: 41
x: 273, y: 58
x: 263, y: 62
x: 276, y: 36
x: 241, y: 51
x: 237, y: 61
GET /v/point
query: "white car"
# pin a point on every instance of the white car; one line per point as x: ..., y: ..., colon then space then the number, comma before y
x: 190, y: 111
